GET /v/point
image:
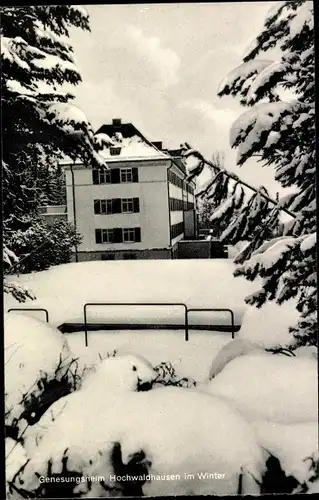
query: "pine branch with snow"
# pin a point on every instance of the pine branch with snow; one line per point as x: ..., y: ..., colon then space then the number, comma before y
x: 279, y: 128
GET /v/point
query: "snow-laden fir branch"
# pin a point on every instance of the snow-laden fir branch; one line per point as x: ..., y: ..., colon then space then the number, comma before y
x: 188, y: 152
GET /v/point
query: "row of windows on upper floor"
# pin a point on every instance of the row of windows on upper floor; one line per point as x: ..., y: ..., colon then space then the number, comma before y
x: 130, y: 234
x: 118, y: 235
x: 117, y: 206
x: 132, y: 205
x: 177, y: 229
x: 176, y: 204
x: 177, y: 181
x: 124, y: 175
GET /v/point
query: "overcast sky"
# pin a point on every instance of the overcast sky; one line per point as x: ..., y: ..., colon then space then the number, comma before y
x: 159, y: 67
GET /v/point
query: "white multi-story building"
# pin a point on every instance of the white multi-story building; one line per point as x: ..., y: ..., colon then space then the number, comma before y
x: 137, y: 209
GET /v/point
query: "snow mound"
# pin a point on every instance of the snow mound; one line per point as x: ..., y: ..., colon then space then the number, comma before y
x: 268, y: 326
x: 15, y: 457
x: 292, y: 444
x: 113, y: 376
x: 126, y: 372
x: 165, y: 346
x: 230, y: 351
x: 169, y: 431
x: 272, y: 387
x: 36, y: 355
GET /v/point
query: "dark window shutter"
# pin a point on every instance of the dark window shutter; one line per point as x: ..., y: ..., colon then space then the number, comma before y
x: 115, y: 176
x: 97, y: 207
x: 118, y: 236
x: 137, y: 234
x: 95, y: 176
x: 136, y: 205
x: 135, y: 174
x: 98, y: 236
x: 116, y: 206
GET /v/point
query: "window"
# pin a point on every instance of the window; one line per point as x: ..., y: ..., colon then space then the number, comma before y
x: 127, y: 205
x: 104, y: 176
x: 115, y: 150
x: 129, y: 234
x: 116, y: 206
x: 126, y: 175
x: 104, y: 236
x: 101, y: 176
x: 132, y: 234
x: 102, y: 207
x: 177, y: 229
x: 118, y: 235
x: 174, y: 179
x: 175, y: 204
x: 115, y: 175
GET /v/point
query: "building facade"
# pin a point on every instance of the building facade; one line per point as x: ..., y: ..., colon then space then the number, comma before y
x: 137, y: 209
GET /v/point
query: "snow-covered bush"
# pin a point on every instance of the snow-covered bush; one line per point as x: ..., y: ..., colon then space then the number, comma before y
x: 167, y: 376
x: 265, y: 385
x: 39, y: 369
x: 103, y: 439
x: 46, y: 245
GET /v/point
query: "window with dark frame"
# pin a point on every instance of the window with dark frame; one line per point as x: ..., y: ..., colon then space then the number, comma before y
x: 104, y: 236
x: 115, y: 150
x: 118, y: 235
x: 116, y: 206
x: 127, y: 205
x: 129, y: 234
x: 114, y: 175
x: 104, y: 176
x: 102, y: 207
x: 126, y: 175
x: 177, y: 229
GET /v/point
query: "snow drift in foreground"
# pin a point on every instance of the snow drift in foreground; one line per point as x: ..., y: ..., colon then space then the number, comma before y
x: 273, y: 387
x: 294, y: 445
x: 166, y: 431
x: 111, y: 377
x: 37, y: 358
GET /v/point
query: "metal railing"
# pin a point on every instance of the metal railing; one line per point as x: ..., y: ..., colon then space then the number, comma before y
x: 166, y: 304
x: 30, y: 309
x: 214, y: 309
x: 161, y: 304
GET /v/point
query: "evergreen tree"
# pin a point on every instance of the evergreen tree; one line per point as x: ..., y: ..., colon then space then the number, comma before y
x: 39, y: 124
x: 279, y: 128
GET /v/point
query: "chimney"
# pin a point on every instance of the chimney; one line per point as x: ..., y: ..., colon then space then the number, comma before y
x: 158, y: 145
x: 117, y: 122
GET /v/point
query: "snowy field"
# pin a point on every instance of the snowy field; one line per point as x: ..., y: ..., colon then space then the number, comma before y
x: 189, y: 359
x: 250, y: 409
x: 63, y: 290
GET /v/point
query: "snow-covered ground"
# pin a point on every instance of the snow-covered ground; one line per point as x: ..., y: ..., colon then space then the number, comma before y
x: 190, y: 359
x: 63, y: 290
x: 256, y: 402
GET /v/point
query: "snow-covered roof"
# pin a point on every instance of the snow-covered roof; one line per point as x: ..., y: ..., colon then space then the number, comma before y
x: 124, y: 140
